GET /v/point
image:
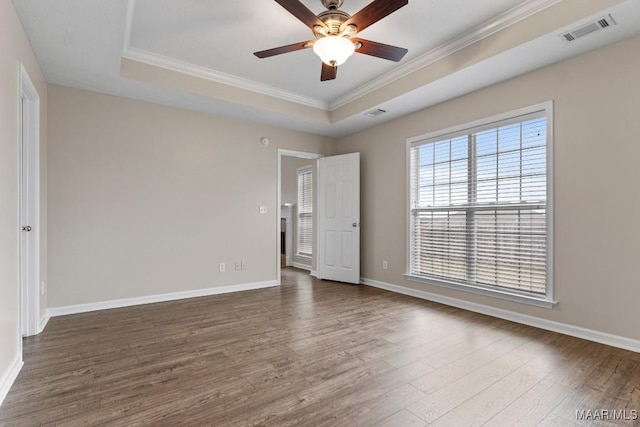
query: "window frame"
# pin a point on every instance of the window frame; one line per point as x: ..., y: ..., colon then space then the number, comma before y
x: 547, y: 300
x: 299, y: 170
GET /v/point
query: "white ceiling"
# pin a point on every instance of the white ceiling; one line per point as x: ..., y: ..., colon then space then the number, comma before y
x: 223, y: 38
x: 80, y: 43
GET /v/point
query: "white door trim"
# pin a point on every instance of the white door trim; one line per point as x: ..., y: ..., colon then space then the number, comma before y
x: 291, y: 153
x: 29, y: 136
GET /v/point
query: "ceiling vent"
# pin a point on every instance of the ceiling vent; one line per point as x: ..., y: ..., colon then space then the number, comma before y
x: 375, y: 113
x: 591, y: 27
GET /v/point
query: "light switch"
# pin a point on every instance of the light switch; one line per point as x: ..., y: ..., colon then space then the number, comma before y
x: 263, y: 210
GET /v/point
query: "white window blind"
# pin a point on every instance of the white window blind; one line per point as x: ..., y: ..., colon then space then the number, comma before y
x: 305, y: 211
x: 478, y: 206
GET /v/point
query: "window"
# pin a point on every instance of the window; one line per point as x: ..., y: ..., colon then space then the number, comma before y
x: 305, y: 211
x: 478, y: 213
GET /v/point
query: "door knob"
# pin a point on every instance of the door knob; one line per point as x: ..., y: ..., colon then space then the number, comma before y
x: 355, y: 224
x: 26, y: 228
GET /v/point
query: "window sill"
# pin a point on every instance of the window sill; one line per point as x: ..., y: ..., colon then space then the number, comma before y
x: 505, y: 295
x: 307, y: 257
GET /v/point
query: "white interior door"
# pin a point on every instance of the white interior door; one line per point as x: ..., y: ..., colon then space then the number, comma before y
x: 29, y: 208
x: 339, y: 218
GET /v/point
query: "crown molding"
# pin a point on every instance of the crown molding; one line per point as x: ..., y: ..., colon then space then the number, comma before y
x: 219, y: 77
x: 482, y: 31
x: 499, y: 23
x: 172, y: 64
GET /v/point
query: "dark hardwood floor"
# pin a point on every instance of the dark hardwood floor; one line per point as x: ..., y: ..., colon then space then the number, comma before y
x: 313, y: 353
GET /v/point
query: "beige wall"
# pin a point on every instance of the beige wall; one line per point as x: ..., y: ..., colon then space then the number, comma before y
x: 15, y: 48
x: 596, y: 173
x: 146, y: 199
x: 289, y: 179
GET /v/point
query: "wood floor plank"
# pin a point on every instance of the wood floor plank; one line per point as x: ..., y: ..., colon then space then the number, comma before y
x: 366, y: 412
x: 589, y: 400
x: 296, y: 407
x: 474, y: 343
x: 555, y: 421
x: 349, y: 400
x: 440, y: 378
x: 456, y: 393
x: 402, y: 418
x: 484, y: 406
x: 311, y: 353
x: 532, y: 407
x: 439, y: 343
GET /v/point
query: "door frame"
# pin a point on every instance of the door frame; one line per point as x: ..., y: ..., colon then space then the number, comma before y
x: 289, y: 153
x: 29, y: 136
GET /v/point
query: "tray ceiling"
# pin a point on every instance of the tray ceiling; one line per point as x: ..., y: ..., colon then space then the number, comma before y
x: 198, y: 54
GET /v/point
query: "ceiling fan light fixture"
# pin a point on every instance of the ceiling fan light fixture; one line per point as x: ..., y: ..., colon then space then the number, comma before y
x: 334, y: 50
x: 334, y: 30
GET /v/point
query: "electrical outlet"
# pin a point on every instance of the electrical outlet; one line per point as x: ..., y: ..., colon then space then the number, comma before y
x: 243, y: 265
x: 222, y: 267
x: 385, y: 265
x: 263, y: 210
x: 237, y: 265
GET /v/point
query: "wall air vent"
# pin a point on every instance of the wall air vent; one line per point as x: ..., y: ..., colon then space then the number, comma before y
x: 375, y: 113
x: 591, y: 27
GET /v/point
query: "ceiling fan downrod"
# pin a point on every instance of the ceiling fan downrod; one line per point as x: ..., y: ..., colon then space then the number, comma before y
x: 332, y: 4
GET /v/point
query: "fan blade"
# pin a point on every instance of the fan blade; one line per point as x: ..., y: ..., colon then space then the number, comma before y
x: 373, y: 12
x: 380, y: 50
x: 300, y: 11
x: 328, y: 72
x: 284, y: 49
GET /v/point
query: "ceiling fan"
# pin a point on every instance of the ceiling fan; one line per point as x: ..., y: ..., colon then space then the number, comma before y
x: 335, y: 29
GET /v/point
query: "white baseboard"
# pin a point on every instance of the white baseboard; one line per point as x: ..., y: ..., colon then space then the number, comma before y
x: 301, y: 266
x: 9, y: 376
x: 313, y: 273
x: 44, y: 320
x: 150, y: 299
x: 550, y: 325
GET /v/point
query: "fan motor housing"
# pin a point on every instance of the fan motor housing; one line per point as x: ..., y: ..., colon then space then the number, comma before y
x: 333, y: 19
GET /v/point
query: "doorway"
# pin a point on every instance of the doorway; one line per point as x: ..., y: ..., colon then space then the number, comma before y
x: 296, y: 247
x: 29, y: 183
